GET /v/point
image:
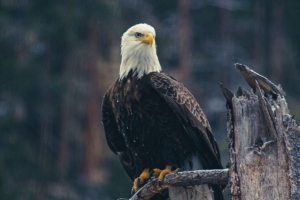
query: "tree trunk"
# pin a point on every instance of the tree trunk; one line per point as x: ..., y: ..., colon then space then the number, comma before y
x: 185, y: 41
x: 276, y: 44
x: 93, y: 151
x: 259, y: 52
x: 264, y: 142
x: 225, y: 34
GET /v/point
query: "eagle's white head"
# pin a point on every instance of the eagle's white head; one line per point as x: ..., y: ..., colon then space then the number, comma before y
x: 138, y: 50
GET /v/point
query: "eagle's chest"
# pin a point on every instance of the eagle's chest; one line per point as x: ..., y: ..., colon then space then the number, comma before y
x: 137, y: 110
x: 127, y: 100
x: 129, y: 97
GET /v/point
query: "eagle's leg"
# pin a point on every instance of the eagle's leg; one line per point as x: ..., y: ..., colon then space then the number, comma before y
x: 145, y: 175
x: 161, y: 173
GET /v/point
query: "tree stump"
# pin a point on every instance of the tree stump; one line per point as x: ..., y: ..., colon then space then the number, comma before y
x: 264, y: 141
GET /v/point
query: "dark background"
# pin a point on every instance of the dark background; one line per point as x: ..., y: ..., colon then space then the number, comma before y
x: 57, y: 58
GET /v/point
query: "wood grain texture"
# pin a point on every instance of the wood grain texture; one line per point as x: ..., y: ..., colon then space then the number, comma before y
x: 264, y: 142
x: 292, y: 142
x: 262, y: 164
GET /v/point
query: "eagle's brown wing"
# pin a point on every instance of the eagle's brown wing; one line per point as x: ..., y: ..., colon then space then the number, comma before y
x: 191, y: 115
x: 114, y: 138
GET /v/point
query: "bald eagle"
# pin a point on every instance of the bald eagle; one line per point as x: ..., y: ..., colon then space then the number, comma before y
x: 153, y: 123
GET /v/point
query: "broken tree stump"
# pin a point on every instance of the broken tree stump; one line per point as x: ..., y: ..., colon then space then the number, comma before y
x: 264, y: 141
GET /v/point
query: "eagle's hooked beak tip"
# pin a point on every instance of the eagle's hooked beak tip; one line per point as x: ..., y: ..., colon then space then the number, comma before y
x: 148, y: 38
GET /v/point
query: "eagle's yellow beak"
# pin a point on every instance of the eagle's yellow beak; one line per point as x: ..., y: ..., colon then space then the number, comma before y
x: 148, y: 38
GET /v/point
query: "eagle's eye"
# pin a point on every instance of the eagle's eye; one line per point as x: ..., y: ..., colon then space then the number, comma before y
x: 138, y: 35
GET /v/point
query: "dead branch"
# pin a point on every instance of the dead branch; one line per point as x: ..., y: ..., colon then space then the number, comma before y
x: 265, y: 84
x: 186, y: 178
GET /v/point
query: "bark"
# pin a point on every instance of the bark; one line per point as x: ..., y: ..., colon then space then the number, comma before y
x: 263, y: 141
x: 187, y: 178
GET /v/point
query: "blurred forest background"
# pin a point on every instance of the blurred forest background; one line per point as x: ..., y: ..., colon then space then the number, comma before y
x: 58, y: 58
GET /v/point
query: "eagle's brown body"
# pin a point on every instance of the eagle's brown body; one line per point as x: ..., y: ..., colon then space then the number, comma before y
x: 155, y: 121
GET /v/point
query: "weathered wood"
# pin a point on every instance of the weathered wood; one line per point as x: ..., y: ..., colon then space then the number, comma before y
x: 264, y: 142
x: 227, y: 94
x: 262, y: 168
x: 251, y: 76
x: 186, y: 178
x: 266, y: 112
x: 292, y: 142
x: 234, y: 180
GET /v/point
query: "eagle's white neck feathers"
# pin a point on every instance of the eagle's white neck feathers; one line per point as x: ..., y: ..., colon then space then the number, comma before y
x: 137, y: 56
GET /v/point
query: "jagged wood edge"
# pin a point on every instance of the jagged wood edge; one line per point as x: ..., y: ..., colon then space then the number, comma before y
x: 266, y: 113
x: 264, y: 83
x: 186, y: 178
x: 228, y: 94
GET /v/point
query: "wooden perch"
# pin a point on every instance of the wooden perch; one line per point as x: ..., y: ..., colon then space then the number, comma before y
x: 186, y: 178
x: 264, y: 141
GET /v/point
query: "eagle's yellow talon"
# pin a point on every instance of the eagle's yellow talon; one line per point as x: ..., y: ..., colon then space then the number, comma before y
x: 161, y: 173
x: 135, y: 186
x: 140, y: 180
x: 156, y: 172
